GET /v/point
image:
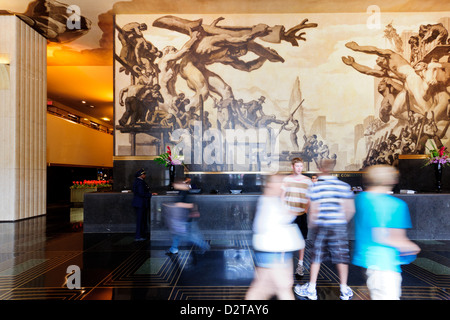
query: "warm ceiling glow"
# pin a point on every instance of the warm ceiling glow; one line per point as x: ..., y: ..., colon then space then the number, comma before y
x: 4, y: 58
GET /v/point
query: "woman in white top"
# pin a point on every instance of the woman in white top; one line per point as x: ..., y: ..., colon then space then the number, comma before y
x: 273, y: 249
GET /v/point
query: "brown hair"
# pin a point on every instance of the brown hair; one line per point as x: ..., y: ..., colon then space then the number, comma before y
x: 296, y: 160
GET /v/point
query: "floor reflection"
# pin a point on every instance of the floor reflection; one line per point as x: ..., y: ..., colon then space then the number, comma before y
x: 35, y: 255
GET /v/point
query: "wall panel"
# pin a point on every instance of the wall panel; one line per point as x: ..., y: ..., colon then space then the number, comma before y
x: 23, y: 106
x: 89, y: 148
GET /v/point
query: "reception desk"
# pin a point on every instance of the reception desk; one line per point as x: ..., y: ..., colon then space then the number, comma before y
x: 227, y: 215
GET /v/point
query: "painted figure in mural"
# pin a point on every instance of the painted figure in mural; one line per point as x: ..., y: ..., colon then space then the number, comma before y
x: 145, y: 54
x: 294, y: 129
x: 389, y: 89
x: 264, y: 121
x: 254, y: 108
x: 181, y: 102
x: 151, y: 99
x: 225, y: 49
x: 210, y: 44
x: 142, y: 76
x: 323, y: 151
x: 414, y: 91
x: 310, y: 146
x: 238, y: 113
x: 168, y: 68
x: 226, y: 45
x: 128, y: 36
x: 436, y: 33
x: 224, y: 120
x: 419, y: 85
x: 232, y: 114
x: 414, y: 43
x: 428, y: 37
x: 138, y: 52
x: 391, y: 34
x: 135, y: 96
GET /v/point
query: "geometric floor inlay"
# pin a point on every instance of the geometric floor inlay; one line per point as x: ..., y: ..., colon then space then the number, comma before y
x: 432, y: 266
x: 115, y: 267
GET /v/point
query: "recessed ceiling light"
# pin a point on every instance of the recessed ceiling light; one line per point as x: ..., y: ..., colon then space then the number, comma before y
x: 105, y: 119
x: 82, y: 101
x: 91, y: 106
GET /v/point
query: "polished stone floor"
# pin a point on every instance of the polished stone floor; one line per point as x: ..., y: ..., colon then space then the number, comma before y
x: 36, y: 255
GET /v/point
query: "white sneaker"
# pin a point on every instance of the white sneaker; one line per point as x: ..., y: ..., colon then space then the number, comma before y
x: 300, y: 270
x: 347, y: 294
x: 305, y: 291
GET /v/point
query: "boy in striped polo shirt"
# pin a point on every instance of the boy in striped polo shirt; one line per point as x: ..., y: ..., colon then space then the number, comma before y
x: 332, y: 206
x: 295, y: 194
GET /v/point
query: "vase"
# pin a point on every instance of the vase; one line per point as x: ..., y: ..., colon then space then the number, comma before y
x: 438, y: 175
x: 171, y: 176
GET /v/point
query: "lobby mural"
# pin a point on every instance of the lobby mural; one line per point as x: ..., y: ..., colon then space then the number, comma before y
x: 249, y: 92
x: 337, y: 94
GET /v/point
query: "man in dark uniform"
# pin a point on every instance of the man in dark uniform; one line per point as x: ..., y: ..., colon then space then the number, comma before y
x: 141, y: 204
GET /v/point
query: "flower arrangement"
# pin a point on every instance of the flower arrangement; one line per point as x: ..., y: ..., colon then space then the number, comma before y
x: 169, y: 159
x: 85, y: 184
x: 438, y: 156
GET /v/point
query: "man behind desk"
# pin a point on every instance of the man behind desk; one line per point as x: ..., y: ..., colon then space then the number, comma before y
x: 141, y: 204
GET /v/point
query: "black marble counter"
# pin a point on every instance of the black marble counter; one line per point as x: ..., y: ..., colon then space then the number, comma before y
x: 106, y: 212
x: 219, y: 213
x: 228, y: 214
x: 415, y: 175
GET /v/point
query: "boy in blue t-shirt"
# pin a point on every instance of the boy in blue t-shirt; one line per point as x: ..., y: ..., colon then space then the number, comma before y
x: 381, y: 244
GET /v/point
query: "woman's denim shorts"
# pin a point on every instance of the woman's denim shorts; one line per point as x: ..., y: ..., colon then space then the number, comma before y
x: 272, y: 259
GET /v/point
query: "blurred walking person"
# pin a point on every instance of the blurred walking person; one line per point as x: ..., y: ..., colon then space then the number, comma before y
x: 275, y: 239
x: 332, y: 206
x: 181, y: 218
x: 381, y: 243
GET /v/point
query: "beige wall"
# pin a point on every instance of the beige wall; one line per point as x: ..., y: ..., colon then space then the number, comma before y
x: 69, y: 143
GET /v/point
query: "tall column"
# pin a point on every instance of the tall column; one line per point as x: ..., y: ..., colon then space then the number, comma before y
x: 23, y: 96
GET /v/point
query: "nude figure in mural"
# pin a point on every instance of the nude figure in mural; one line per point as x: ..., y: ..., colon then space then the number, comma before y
x: 226, y: 45
x: 167, y: 65
x: 132, y: 98
x: 145, y: 54
x: 395, y: 66
x: 294, y: 131
x: 213, y: 49
x: 128, y: 36
x: 390, y: 89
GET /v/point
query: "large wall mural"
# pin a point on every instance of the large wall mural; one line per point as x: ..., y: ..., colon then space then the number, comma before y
x: 249, y: 92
